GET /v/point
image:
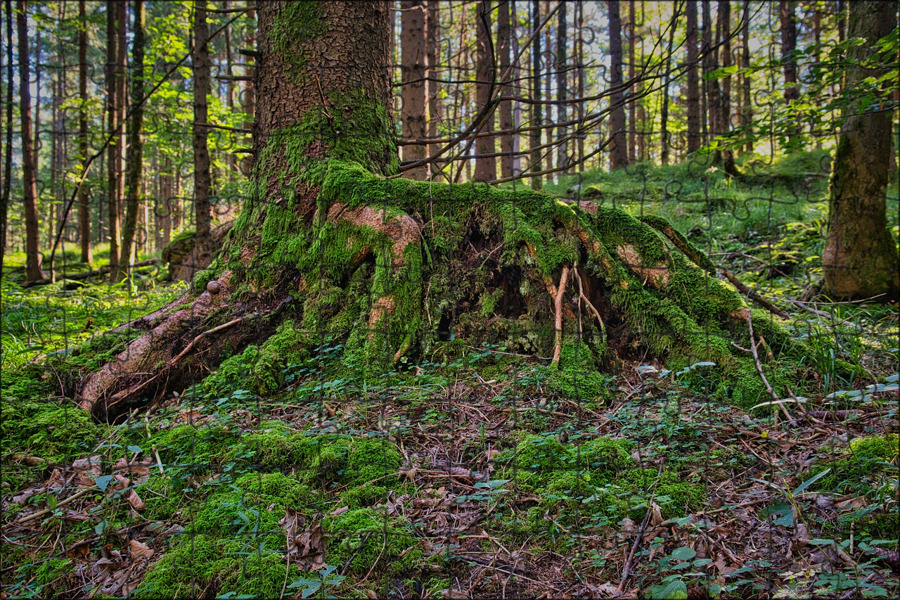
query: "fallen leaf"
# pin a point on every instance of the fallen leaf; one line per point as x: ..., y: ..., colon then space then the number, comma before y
x: 134, y: 500
x: 139, y: 551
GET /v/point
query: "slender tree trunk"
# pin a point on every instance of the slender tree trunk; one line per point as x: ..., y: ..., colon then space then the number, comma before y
x: 747, y: 102
x: 860, y: 258
x: 7, y: 156
x: 485, y: 163
x: 229, y: 95
x: 504, y: 35
x: 115, y: 146
x: 724, y: 108
x: 433, y: 66
x: 33, y: 269
x: 562, y: 85
x: 84, y: 212
x: 579, y: 45
x: 618, y: 154
x: 537, y: 119
x: 693, y: 80
x: 412, y: 76
x: 788, y: 46
x: 632, y: 108
x: 664, y: 112
x: 135, y: 162
x: 202, y: 176
x: 710, y: 64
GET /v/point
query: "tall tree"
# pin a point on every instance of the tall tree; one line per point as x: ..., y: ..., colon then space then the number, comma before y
x: 710, y: 64
x: 135, y: 159
x: 746, y: 100
x: 433, y: 66
x: 562, y: 41
x: 412, y: 77
x: 787, y: 17
x: 618, y: 153
x: 632, y: 65
x: 664, y: 112
x: 723, y: 110
x: 693, y: 80
x: 504, y: 46
x: 33, y: 269
x: 202, y: 177
x: 537, y: 119
x: 486, y: 161
x: 115, y: 183
x: 84, y: 209
x: 860, y: 258
x: 7, y: 153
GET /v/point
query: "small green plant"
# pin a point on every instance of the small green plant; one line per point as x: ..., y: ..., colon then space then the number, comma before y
x: 321, y: 585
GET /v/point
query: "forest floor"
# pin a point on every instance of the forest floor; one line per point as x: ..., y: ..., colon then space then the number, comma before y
x: 476, y: 472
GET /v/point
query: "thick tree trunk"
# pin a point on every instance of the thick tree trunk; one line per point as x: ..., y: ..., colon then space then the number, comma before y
x: 84, y: 209
x: 618, y: 153
x: 135, y: 159
x: 860, y: 258
x: 33, y: 269
x: 412, y: 77
x: 504, y: 46
x: 202, y: 178
x: 693, y: 80
x: 486, y: 162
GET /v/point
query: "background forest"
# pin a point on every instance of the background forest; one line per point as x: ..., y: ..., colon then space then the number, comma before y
x: 554, y: 442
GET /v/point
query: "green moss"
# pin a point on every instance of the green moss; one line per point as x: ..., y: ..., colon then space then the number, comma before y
x: 195, y: 449
x: 46, y: 429
x: 364, y: 536
x: 674, y: 496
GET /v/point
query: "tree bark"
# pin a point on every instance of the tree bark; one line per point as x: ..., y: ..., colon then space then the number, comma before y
x: 33, y: 269
x: 433, y: 66
x: 788, y: 46
x: 632, y: 108
x: 84, y: 209
x: 135, y: 160
x: 693, y: 80
x: 504, y: 46
x: 537, y: 119
x: 7, y: 154
x: 202, y: 177
x: 747, y: 101
x: 412, y: 77
x: 485, y: 162
x: 664, y: 112
x: 562, y: 34
x: 710, y: 64
x: 618, y: 154
x: 115, y: 186
x: 860, y: 258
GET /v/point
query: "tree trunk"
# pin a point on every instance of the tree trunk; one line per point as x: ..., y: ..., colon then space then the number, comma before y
x: 664, y: 112
x: 579, y: 45
x: 632, y: 65
x: 693, y: 80
x: 710, y: 64
x: 618, y: 154
x: 536, y: 108
x: 433, y: 66
x: 788, y: 46
x: 202, y: 178
x: 412, y: 77
x: 33, y: 269
x: 486, y: 162
x: 747, y: 101
x: 860, y: 258
x: 562, y: 35
x: 114, y: 149
x: 135, y: 159
x: 724, y: 109
x: 7, y: 154
x: 504, y: 46
x: 84, y: 209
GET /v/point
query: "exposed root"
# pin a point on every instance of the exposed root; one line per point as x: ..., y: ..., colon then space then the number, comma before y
x: 558, y: 319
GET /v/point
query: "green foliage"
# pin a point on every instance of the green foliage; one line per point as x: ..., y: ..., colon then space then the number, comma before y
x: 366, y: 537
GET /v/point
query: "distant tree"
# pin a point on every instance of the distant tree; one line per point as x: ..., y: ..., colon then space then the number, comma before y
x: 412, y: 74
x: 562, y: 34
x: 694, y: 138
x: 504, y: 47
x: 537, y: 119
x: 33, y: 269
x: 84, y: 209
x: 746, y: 100
x: 664, y: 111
x: 433, y: 65
x: 486, y: 162
x: 7, y: 153
x: 860, y: 258
x: 618, y: 154
x: 787, y: 18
